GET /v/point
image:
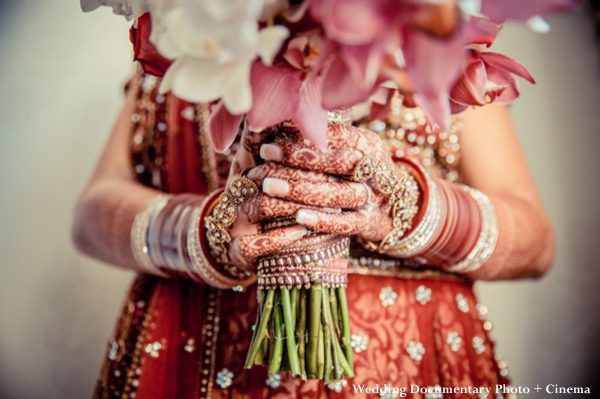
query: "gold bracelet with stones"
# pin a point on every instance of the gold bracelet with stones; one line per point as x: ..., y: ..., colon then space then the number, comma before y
x: 223, y: 216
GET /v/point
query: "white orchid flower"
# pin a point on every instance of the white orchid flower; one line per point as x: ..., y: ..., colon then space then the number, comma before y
x: 130, y: 9
x: 213, y: 45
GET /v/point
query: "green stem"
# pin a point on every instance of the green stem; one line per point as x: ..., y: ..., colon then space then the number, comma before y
x: 275, y: 363
x: 346, y: 339
x: 320, y: 356
x: 337, y: 369
x: 327, y: 337
x: 314, y: 329
x: 294, y: 303
x: 290, y: 340
x: 259, y: 359
x: 348, y: 370
x: 301, y: 332
x: 335, y: 314
x: 262, y: 328
x: 260, y: 297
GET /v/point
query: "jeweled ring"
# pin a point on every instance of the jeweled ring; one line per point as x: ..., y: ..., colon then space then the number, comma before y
x: 368, y: 205
x: 242, y: 189
x: 364, y: 170
x: 385, y: 178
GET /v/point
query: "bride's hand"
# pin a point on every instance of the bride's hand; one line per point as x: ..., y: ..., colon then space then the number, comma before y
x: 364, y: 209
x: 248, y: 242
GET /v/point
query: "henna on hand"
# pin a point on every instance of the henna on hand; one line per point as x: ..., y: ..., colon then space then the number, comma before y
x: 343, y: 194
x: 279, y: 171
x: 245, y: 249
x: 264, y: 207
x: 345, y: 146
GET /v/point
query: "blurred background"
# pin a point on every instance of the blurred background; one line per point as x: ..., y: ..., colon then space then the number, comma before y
x: 61, y: 78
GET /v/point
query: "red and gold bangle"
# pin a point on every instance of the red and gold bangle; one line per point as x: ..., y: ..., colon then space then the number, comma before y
x: 488, y: 235
x: 201, y: 262
x: 423, y: 231
x: 222, y: 216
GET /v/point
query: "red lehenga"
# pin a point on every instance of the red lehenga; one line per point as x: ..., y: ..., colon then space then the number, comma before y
x: 177, y: 339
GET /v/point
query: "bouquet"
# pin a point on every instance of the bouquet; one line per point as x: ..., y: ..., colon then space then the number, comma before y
x: 270, y: 61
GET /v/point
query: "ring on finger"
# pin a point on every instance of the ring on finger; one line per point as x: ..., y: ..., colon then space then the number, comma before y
x: 364, y: 170
x: 368, y: 205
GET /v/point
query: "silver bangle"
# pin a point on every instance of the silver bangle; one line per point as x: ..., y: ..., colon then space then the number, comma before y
x: 488, y: 237
x: 139, y: 235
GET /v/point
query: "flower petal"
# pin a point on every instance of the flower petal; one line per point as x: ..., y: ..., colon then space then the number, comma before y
x: 237, y: 93
x: 470, y: 88
x: 275, y: 92
x: 223, y: 127
x: 311, y: 118
x: 339, y: 90
x: 364, y: 62
x: 489, y: 31
x: 506, y: 81
x: 456, y: 108
x: 349, y: 21
x: 438, y: 108
x: 269, y: 42
x: 89, y: 5
x: 199, y: 79
x: 381, y: 109
x: 434, y: 65
x: 508, y: 64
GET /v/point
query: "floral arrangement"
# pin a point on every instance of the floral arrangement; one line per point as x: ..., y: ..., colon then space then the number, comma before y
x: 275, y: 60
x: 271, y: 61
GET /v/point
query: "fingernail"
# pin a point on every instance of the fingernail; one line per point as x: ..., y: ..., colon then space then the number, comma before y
x: 275, y: 186
x: 271, y: 152
x: 306, y: 217
x: 296, y: 232
x: 332, y: 210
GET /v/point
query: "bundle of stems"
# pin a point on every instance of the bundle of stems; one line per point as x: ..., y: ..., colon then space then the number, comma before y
x: 304, y: 330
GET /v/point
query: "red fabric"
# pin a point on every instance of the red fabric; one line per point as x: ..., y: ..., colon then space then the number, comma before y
x: 172, y: 311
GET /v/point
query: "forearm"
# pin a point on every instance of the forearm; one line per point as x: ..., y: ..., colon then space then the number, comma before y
x: 462, y: 230
x: 103, y: 220
x: 525, y: 246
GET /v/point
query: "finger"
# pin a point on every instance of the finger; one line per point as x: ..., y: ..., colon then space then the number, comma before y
x: 279, y: 171
x: 345, y: 195
x: 346, y: 223
x: 336, y: 160
x: 255, y: 245
x: 264, y: 207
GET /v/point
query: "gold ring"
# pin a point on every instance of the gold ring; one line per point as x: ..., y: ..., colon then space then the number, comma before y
x: 364, y: 170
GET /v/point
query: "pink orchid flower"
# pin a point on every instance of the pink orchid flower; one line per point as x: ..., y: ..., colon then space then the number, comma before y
x: 488, y: 77
x: 288, y: 90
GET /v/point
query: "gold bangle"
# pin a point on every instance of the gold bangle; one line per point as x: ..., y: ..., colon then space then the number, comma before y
x: 385, y: 178
x: 404, y: 200
x: 200, y: 265
x: 223, y: 216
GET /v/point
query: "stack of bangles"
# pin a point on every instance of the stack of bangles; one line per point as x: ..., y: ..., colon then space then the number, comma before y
x: 167, y: 240
x: 435, y: 222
